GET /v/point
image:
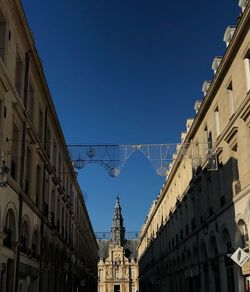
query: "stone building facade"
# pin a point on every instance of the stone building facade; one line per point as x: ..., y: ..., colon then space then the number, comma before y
x: 117, y: 266
x: 202, y: 213
x: 46, y: 237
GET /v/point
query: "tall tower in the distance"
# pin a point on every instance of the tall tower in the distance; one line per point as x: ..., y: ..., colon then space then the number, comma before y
x: 117, y: 229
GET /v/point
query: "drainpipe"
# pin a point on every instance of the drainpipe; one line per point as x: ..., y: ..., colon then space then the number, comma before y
x: 22, y: 172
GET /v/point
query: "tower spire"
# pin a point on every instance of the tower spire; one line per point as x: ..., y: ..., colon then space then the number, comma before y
x: 117, y: 229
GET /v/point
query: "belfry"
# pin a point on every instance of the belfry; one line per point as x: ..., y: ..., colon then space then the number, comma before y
x: 117, y: 229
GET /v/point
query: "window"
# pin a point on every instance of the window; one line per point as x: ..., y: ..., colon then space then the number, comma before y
x: 217, y: 121
x: 34, y: 246
x: 54, y: 154
x: 15, y: 151
x: 62, y: 220
x: 18, y: 74
x: 221, y: 184
x: 40, y: 124
x: 53, y: 200
x: 66, y: 227
x: 235, y: 164
x: 58, y: 207
x: 24, y: 237
x: 1, y: 122
x: 247, y: 69
x: 38, y: 184
x: 230, y: 98
x: 63, y: 176
x: 48, y: 142
x: 235, y: 171
x: 208, y: 137
x: 46, y: 198
x: 28, y: 171
x: 243, y: 232
x: 2, y: 35
x: 59, y: 169
x: 31, y: 100
x: 10, y: 229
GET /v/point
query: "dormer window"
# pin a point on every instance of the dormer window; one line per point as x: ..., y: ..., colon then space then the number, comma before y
x: 228, y: 34
x: 216, y: 64
x: 243, y: 4
x: 205, y: 87
x: 189, y: 124
x: 197, y: 105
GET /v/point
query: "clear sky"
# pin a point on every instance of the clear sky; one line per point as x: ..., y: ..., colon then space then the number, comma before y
x: 126, y: 72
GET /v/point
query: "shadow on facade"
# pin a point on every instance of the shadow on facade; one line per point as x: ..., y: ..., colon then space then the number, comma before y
x: 190, y: 250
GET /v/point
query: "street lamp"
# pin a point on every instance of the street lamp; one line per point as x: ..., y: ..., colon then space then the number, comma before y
x: 3, y: 172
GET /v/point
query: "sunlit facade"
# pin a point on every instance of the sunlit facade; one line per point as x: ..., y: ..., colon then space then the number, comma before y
x: 202, y: 214
x: 46, y: 237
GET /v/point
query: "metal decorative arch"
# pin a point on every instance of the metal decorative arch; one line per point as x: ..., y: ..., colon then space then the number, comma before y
x: 113, y: 156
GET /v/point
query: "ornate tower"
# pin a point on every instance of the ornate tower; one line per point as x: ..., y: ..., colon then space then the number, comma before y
x: 117, y: 229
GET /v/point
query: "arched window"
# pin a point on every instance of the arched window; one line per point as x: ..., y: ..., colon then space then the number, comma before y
x: 10, y: 228
x: 243, y: 234
x: 34, y: 245
x: 2, y: 36
x: 24, y: 237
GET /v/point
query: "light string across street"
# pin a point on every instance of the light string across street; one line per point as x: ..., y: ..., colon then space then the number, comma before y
x: 114, y: 156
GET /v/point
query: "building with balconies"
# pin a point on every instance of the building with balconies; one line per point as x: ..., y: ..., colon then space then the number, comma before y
x: 46, y: 238
x: 202, y: 214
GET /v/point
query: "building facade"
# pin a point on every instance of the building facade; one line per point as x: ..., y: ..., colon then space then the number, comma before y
x: 117, y: 266
x: 46, y: 237
x: 202, y: 213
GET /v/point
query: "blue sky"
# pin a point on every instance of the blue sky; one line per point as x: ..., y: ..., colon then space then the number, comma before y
x: 126, y: 72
